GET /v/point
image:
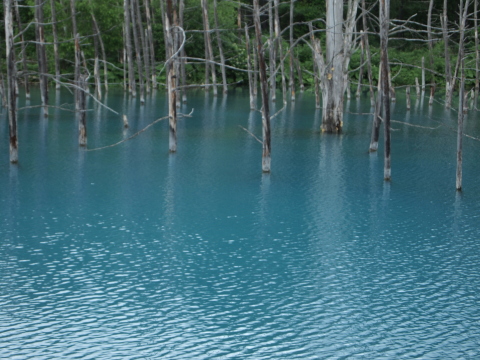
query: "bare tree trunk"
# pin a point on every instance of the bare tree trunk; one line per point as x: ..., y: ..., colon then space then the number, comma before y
x: 430, y: 50
x: 423, y: 75
x: 318, y: 62
x: 463, y: 18
x: 249, y: 68
x: 448, y: 69
x: 76, y: 75
x: 41, y: 54
x: 138, y: 51
x: 272, y: 52
x: 408, y: 97
x: 150, y: 41
x: 291, y: 82
x: 183, y: 74
x: 367, y: 52
x: 171, y: 81
x: 102, y: 47
x: 24, y: 54
x: 220, y: 49
x: 144, y: 46
x: 132, y: 87
x: 266, y: 157
x: 360, y: 75
x: 278, y: 38
x: 300, y: 76
x: 477, y: 52
x: 255, y: 66
x: 208, y: 50
x: 96, y: 68
x: 376, y: 121
x: 82, y: 123
x: 11, y: 75
x: 384, y: 22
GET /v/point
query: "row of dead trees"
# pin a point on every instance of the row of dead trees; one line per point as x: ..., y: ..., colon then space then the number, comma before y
x: 331, y: 59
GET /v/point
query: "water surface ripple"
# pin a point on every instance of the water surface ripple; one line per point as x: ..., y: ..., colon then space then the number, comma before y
x: 135, y: 253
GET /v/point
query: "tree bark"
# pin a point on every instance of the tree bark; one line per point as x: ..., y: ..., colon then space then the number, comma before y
x: 266, y: 153
x: 11, y: 77
x: 249, y: 69
x: 132, y: 87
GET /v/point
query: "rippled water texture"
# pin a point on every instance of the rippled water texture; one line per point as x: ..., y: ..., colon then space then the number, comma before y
x: 134, y: 253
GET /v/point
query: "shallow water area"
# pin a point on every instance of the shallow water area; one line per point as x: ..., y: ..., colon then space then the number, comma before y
x: 130, y: 252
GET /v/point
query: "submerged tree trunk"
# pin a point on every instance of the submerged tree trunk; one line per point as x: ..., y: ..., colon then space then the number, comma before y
x: 41, y: 54
x: 209, y: 65
x: 367, y: 52
x: 76, y: 75
x: 144, y: 46
x: 96, y: 67
x: 384, y: 21
x: 138, y: 51
x: 249, y: 69
x: 220, y: 49
x: 11, y: 76
x: 82, y: 100
x: 150, y: 43
x: 98, y: 36
x: 171, y: 81
x: 291, y: 82
x: 279, y: 47
x: 430, y: 51
x: 338, y: 52
x: 132, y: 87
x: 266, y: 157
x: 463, y: 18
x: 318, y: 64
x: 24, y: 54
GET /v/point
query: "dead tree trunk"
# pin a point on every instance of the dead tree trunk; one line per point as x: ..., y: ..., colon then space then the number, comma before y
x: 220, y: 48
x: 266, y: 157
x: 96, y: 67
x: 384, y: 22
x: 318, y: 63
x: 430, y: 51
x: 11, y: 75
x: 272, y: 52
x: 149, y: 40
x: 463, y: 18
x: 183, y: 74
x: 76, y: 75
x: 138, y: 51
x: 82, y: 121
x: 448, y: 69
x: 367, y: 52
x: 144, y: 46
x: 477, y: 53
x: 132, y: 87
x: 338, y: 52
x: 171, y: 81
x: 278, y: 39
x: 24, y: 54
x: 98, y: 36
x: 360, y: 74
x: 291, y: 82
x: 41, y: 54
x: 249, y: 69
x: 209, y: 65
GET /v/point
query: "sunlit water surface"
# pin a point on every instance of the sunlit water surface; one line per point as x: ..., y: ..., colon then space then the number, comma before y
x: 134, y: 253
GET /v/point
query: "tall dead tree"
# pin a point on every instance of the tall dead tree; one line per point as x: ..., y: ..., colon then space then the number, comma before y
x: 463, y: 19
x: 11, y: 79
x: 149, y: 39
x: 249, y: 69
x: 279, y: 47
x: 132, y: 87
x: 272, y: 52
x: 477, y: 52
x: 41, y: 54
x: 23, y: 51
x: 384, y: 25
x: 339, y: 41
x: 220, y: 48
x: 98, y: 36
x: 209, y: 65
x: 448, y: 69
x: 430, y: 51
x: 138, y: 50
x: 266, y: 157
x: 291, y: 82
x: 367, y: 53
x: 96, y: 67
x: 171, y: 76
x: 143, y: 45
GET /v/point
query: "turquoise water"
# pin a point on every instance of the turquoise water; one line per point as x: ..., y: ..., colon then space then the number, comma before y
x: 134, y: 253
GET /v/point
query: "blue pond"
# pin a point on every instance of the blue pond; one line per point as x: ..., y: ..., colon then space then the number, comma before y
x: 133, y: 253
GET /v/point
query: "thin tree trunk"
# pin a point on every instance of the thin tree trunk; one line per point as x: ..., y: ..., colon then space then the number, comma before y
x: 102, y: 47
x: 463, y: 17
x: 132, y: 87
x: 82, y: 123
x: 266, y: 157
x: 272, y: 52
x: 318, y: 64
x: 417, y: 87
x: 249, y: 68
x: 291, y: 82
x: 171, y: 81
x: 76, y: 75
x: 220, y: 49
x: 96, y: 68
x: 144, y: 46
x: 384, y: 21
x: 183, y: 73
x: 367, y: 52
x: 148, y: 15
x: 477, y: 52
x: 430, y: 51
x: 41, y: 54
x: 360, y: 75
x: 138, y: 51
x: 255, y: 66
x: 11, y: 76
x: 300, y: 76
x: 24, y: 54
x: 408, y: 97
x: 278, y: 38
x: 208, y: 50
x: 423, y: 75
x: 448, y: 68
